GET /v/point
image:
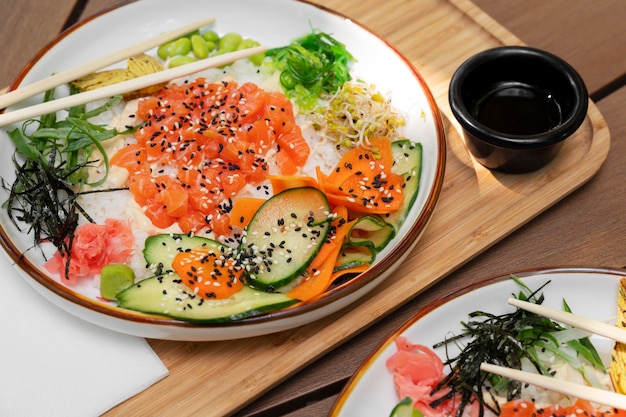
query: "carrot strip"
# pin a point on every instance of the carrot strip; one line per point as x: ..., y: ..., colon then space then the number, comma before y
x: 362, y: 181
x: 285, y: 182
x: 316, y: 284
x: 352, y: 270
x: 243, y: 210
x: 208, y: 274
x: 320, y: 272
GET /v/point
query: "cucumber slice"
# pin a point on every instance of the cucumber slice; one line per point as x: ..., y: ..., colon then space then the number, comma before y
x: 167, y: 296
x: 352, y: 255
x: 371, y: 230
x: 407, y: 156
x: 284, y: 236
x: 159, y: 250
x: 408, y: 163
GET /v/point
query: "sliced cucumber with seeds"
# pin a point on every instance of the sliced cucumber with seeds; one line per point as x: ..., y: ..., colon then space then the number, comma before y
x: 407, y: 156
x: 167, y: 296
x: 284, y: 236
x: 408, y: 163
x: 159, y: 250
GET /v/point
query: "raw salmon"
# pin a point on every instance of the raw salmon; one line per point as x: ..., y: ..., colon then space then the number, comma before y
x: 211, y: 139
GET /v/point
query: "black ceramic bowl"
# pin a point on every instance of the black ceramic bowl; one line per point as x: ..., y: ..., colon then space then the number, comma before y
x: 516, y: 106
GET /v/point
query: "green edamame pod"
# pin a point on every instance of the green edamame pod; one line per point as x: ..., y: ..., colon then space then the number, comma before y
x: 199, y: 47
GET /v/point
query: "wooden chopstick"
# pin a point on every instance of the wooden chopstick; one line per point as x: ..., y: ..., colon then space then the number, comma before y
x: 72, y: 74
x: 584, y: 323
x: 126, y: 86
x: 572, y: 389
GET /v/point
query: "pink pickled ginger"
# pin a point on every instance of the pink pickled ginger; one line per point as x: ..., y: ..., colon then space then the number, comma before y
x: 94, y: 246
x: 417, y: 370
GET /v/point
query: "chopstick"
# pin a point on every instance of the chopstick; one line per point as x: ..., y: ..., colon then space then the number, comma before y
x: 72, y: 74
x: 595, y: 395
x: 126, y: 86
x: 584, y: 323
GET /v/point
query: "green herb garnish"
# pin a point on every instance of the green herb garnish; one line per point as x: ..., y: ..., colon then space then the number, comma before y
x: 51, y: 162
x: 310, y: 66
x: 505, y: 340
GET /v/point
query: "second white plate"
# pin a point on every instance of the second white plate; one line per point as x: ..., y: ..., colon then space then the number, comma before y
x: 590, y: 292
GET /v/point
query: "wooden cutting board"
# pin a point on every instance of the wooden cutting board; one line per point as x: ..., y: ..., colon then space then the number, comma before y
x: 476, y: 209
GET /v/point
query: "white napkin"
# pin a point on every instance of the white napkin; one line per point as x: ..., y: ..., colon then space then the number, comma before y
x: 54, y: 364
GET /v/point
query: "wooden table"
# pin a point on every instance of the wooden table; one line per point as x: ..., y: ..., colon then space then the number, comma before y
x: 585, y: 228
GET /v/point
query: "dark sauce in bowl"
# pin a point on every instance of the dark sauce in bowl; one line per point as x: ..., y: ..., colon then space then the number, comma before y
x: 516, y: 106
x: 518, y: 109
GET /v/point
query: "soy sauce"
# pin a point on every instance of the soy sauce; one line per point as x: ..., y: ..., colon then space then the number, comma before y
x: 518, y: 109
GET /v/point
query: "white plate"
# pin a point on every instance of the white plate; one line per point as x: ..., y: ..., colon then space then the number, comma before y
x: 589, y: 292
x: 273, y: 23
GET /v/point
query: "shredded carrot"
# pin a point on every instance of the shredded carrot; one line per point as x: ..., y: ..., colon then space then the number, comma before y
x: 320, y: 272
x: 285, y: 182
x: 208, y: 273
x: 362, y: 181
x: 352, y: 270
x: 244, y: 209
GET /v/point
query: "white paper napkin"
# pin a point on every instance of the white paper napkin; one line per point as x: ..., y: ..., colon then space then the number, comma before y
x: 54, y: 364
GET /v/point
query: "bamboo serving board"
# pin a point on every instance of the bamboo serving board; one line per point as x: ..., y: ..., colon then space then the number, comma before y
x: 475, y: 210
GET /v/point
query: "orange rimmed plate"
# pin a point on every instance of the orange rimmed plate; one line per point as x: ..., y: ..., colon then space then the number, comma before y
x: 377, y: 63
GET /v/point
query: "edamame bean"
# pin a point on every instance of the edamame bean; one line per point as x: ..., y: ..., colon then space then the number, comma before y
x: 257, y: 59
x: 251, y: 43
x: 203, y: 45
x: 247, y: 43
x: 164, y: 50
x: 229, y: 42
x: 199, y: 47
x: 181, y: 60
x: 210, y: 45
x: 211, y: 36
x: 182, y: 46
